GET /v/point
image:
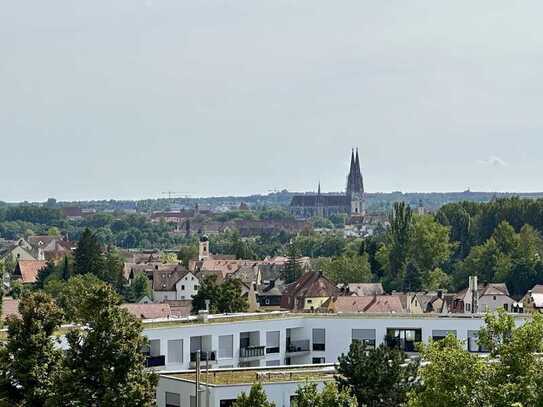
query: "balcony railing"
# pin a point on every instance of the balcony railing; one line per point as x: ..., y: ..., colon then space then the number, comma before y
x: 252, y: 352
x: 155, y: 361
x: 298, y: 346
x: 210, y: 356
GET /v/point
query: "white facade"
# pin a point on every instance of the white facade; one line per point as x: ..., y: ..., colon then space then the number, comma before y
x: 182, y: 392
x: 185, y: 289
x: 311, y: 338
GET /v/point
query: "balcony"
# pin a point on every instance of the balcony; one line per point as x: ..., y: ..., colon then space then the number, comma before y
x: 155, y: 361
x: 252, y: 353
x: 301, y: 346
x: 210, y: 356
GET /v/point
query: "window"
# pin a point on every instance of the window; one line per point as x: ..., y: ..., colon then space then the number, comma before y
x: 506, y: 307
x: 473, y: 342
x: 173, y: 399
x: 272, y: 341
x: 195, y: 286
x: 319, y: 336
x: 175, y: 351
x: 438, y: 334
x: 468, y: 307
x: 309, y: 301
x: 226, y: 347
x: 404, y: 339
x: 227, y: 403
x: 154, y: 347
x: 317, y: 361
x: 366, y: 336
x: 494, y: 298
x: 183, y: 287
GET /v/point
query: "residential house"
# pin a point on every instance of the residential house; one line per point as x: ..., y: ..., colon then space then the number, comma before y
x: 26, y: 271
x: 308, y: 293
x: 175, y: 284
x: 363, y: 289
x: 269, y: 296
x: 411, y: 303
x: 488, y: 296
x: 50, y: 247
x: 533, y: 300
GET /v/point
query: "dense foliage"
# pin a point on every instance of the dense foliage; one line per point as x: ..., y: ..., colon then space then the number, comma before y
x: 378, y: 377
x: 104, y: 364
x: 511, y: 376
x: 224, y: 298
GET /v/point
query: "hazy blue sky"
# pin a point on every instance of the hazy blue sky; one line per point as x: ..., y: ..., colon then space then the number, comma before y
x: 128, y: 98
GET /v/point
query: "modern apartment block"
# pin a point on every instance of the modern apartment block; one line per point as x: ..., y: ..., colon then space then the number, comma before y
x: 275, y: 339
x: 220, y: 388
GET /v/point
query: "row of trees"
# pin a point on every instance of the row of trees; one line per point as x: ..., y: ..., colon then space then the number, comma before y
x: 103, y: 364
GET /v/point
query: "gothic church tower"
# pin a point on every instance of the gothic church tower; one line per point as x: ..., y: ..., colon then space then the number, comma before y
x: 355, y: 186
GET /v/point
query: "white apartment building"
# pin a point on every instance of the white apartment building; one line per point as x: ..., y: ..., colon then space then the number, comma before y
x: 220, y: 388
x: 281, y: 338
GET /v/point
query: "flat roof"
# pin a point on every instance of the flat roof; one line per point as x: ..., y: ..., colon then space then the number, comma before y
x: 269, y: 374
x: 277, y: 315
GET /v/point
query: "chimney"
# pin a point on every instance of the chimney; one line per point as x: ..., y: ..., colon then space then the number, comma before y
x: 473, y: 286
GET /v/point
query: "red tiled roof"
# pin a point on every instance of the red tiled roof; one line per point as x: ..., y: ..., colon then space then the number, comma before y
x: 148, y: 311
x: 9, y: 307
x: 27, y: 270
x: 378, y: 303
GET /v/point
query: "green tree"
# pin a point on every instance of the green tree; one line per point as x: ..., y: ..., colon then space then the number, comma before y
x: 29, y: 361
x: 429, y: 243
x: 394, y: 253
x: 188, y: 253
x: 88, y: 255
x: 66, y: 270
x: 515, y: 375
x: 225, y: 298
x: 413, y: 280
x: 319, y: 222
x: 53, y: 231
x: 256, y: 398
x: 377, y: 377
x: 451, y: 376
x: 140, y: 287
x: 330, y: 396
x: 44, y: 274
x: 487, y: 262
x: 347, y: 269
x: 293, y: 269
x: 113, y: 270
x: 71, y: 293
x: 104, y: 364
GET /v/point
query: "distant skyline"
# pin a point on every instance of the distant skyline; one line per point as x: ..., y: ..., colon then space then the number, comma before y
x: 125, y: 99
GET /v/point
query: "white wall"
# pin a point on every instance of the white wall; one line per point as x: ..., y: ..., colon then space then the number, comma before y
x: 279, y: 393
x: 338, y: 333
x: 187, y: 287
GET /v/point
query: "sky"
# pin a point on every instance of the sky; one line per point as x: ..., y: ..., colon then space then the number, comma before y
x: 127, y: 99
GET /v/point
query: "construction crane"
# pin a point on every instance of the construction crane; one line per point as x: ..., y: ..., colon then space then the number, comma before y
x: 172, y: 193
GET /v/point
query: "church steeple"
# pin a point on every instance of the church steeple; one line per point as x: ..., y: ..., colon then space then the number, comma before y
x: 355, y: 184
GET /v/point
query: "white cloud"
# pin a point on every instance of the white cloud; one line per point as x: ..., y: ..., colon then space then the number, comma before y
x: 493, y: 161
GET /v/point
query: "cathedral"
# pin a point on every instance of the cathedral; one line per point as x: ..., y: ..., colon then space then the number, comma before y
x: 351, y: 203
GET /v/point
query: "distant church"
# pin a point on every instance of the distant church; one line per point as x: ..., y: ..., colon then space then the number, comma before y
x: 351, y: 203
